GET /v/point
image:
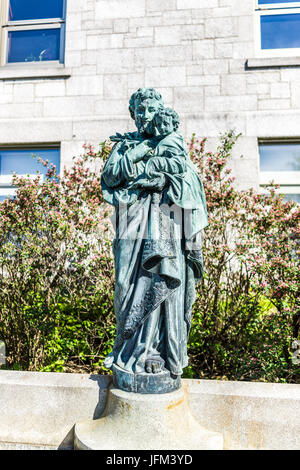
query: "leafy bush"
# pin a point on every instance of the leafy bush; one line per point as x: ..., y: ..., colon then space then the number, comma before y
x: 247, y: 311
x: 57, y: 281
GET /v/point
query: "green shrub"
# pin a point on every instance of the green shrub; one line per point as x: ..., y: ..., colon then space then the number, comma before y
x: 56, y: 281
x: 247, y: 309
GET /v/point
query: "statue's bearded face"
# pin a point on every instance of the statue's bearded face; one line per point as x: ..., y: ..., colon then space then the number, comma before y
x: 144, y: 113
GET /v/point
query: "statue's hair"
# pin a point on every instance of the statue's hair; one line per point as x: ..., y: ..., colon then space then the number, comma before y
x: 142, y: 94
x: 170, y: 112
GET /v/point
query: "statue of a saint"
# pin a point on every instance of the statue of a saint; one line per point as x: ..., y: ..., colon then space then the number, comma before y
x: 160, y: 211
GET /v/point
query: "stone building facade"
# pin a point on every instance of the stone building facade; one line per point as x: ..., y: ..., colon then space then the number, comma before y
x: 201, y: 55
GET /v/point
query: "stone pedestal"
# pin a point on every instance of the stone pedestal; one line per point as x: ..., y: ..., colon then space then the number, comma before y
x: 162, y: 382
x: 134, y: 421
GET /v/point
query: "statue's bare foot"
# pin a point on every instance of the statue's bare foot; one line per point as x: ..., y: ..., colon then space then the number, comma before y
x: 154, y: 365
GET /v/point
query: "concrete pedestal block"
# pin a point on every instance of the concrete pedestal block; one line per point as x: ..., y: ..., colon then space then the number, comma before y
x: 134, y: 421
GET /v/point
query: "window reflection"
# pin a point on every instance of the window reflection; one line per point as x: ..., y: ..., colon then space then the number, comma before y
x: 22, y: 162
x: 292, y: 197
x: 279, y: 157
x: 35, y: 9
x: 3, y: 197
x: 33, y: 45
x: 280, y: 31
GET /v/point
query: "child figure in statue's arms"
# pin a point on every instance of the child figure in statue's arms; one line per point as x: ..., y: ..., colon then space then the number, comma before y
x: 166, y: 121
x: 169, y: 144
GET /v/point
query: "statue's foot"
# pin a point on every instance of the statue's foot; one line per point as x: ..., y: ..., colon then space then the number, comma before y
x: 154, y: 365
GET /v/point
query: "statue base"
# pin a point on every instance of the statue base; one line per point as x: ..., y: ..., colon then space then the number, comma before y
x: 133, y: 421
x: 162, y: 382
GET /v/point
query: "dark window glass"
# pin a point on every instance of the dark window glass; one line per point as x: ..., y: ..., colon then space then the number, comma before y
x: 279, y: 157
x: 280, y: 31
x: 35, y: 9
x: 33, y: 45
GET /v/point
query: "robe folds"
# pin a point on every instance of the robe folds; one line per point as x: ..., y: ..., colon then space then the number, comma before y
x: 157, y: 251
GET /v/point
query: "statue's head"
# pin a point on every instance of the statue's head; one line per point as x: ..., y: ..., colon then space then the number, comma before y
x: 143, y: 106
x: 166, y: 121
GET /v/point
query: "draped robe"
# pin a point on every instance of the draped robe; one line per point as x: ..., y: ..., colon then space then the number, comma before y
x: 157, y: 251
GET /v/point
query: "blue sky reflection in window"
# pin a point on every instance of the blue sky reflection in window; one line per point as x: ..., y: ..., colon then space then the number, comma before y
x: 27, y: 42
x: 280, y: 157
x: 33, y: 45
x: 22, y: 162
x: 35, y: 9
x: 280, y: 31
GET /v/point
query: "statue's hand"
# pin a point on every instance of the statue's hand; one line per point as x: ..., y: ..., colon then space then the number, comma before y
x: 158, y: 183
x: 117, y: 138
x: 138, y: 153
x: 155, y: 183
x: 128, y: 145
x: 148, y: 155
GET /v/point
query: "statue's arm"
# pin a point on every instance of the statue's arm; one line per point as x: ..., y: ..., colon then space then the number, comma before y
x: 172, y: 165
x: 112, y: 172
x: 139, y: 152
x: 121, y: 166
x: 157, y: 170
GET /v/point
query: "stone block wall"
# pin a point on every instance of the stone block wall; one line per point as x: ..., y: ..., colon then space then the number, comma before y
x: 39, y: 410
x: 193, y: 51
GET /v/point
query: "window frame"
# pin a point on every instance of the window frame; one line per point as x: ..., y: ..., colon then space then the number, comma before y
x: 6, y: 183
x: 275, y: 6
x: 273, y: 9
x: 288, y: 180
x: 27, y: 25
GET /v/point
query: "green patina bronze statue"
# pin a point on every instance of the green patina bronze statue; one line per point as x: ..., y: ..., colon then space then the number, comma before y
x: 160, y: 211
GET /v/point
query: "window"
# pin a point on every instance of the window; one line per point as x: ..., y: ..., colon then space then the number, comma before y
x: 280, y: 162
x: 33, y: 31
x: 22, y: 162
x: 277, y: 28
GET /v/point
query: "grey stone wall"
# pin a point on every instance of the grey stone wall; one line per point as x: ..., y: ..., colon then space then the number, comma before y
x: 40, y: 409
x: 193, y: 51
